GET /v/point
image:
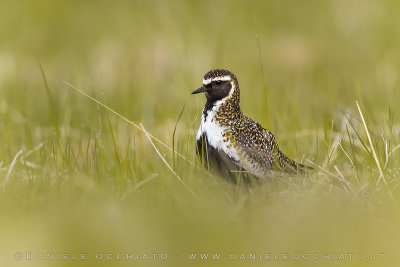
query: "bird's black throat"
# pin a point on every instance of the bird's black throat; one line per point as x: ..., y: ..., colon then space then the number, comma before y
x: 209, y: 105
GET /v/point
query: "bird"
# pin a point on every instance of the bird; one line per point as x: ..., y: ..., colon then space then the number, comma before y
x: 232, y: 144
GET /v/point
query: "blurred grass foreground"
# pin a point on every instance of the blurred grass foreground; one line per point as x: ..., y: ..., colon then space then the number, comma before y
x: 81, y: 186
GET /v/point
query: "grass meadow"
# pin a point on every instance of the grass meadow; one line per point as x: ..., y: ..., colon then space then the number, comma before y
x: 76, y: 179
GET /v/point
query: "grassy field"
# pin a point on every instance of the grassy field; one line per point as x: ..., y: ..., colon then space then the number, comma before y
x: 79, y: 181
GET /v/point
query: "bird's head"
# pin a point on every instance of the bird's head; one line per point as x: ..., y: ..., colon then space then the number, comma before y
x: 217, y: 84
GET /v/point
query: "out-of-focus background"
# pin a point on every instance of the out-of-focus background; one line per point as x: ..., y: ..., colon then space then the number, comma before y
x: 76, y: 179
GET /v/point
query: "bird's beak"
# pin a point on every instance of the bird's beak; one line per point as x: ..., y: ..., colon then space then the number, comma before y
x: 200, y: 90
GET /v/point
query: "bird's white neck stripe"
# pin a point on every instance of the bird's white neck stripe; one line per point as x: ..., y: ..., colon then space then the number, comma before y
x: 228, y: 96
x: 223, y: 78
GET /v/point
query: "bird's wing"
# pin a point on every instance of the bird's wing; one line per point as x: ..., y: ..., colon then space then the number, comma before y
x: 257, y: 146
x: 260, y: 147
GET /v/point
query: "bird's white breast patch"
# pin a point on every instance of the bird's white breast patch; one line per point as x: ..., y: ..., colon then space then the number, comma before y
x: 214, y: 132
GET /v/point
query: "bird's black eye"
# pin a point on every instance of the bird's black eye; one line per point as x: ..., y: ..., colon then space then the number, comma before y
x: 218, y: 82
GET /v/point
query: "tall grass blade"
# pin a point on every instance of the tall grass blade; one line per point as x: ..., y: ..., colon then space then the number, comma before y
x: 173, y: 138
x: 381, y: 175
x: 53, y: 107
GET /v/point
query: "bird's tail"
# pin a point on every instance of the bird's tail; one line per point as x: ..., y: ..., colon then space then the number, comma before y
x: 292, y: 166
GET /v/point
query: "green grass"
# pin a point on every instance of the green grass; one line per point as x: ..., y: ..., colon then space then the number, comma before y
x: 88, y: 181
